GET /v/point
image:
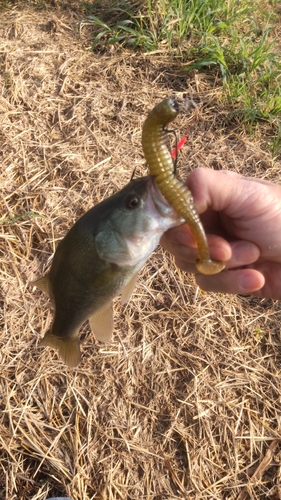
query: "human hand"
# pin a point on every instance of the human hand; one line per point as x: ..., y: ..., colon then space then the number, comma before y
x: 242, y: 219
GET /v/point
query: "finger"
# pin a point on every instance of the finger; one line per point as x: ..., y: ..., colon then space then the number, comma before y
x: 224, y: 191
x: 244, y: 253
x: 187, y: 266
x: 212, y: 188
x: 180, y: 243
x: 241, y: 281
x: 272, y: 273
x: 234, y: 254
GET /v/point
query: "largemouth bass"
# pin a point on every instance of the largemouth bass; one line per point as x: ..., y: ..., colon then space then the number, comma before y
x: 99, y: 258
x: 160, y: 164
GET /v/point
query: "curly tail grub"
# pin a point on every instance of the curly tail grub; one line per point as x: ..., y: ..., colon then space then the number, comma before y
x: 157, y: 154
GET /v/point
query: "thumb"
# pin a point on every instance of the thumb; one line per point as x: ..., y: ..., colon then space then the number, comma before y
x: 222, y: 191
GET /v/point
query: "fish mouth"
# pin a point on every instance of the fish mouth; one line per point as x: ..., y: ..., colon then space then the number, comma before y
x: 160, y: 202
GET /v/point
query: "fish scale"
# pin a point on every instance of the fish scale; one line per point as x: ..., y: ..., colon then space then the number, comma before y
x: 98, y: 259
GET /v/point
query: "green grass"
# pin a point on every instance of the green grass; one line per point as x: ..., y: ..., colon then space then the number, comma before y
x: 170, y: 22
x: 12, y: 219
x: 233, y: 37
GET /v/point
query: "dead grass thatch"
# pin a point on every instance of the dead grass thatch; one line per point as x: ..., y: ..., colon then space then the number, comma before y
x: 185, y: 403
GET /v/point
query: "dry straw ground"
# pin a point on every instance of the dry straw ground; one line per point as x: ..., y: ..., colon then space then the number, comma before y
x: 185, y: 403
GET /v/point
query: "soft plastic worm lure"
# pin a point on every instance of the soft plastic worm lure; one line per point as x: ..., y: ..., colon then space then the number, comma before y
x: 155, y: 144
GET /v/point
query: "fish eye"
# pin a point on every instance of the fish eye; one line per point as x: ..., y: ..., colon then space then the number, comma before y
x: 175, y: 104
x: 132, y: 201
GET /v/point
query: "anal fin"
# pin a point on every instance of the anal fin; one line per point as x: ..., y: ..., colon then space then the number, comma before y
x: 102, y: 323
x: 128, y: 289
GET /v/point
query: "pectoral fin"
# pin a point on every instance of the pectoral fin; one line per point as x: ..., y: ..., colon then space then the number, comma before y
x: 43, y: 284
x: 68, y: 348
x: 128, y: 289
x: 102, y: 323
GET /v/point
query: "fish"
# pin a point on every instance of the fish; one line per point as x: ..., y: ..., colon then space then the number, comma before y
x: 98, y: 259
x: 156, y: 149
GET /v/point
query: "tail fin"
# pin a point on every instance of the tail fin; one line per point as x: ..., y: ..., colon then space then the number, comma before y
x: 69, y: 349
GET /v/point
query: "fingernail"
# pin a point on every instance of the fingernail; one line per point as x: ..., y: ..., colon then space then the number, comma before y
x: 244, y: 252
x: 248, y: 282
